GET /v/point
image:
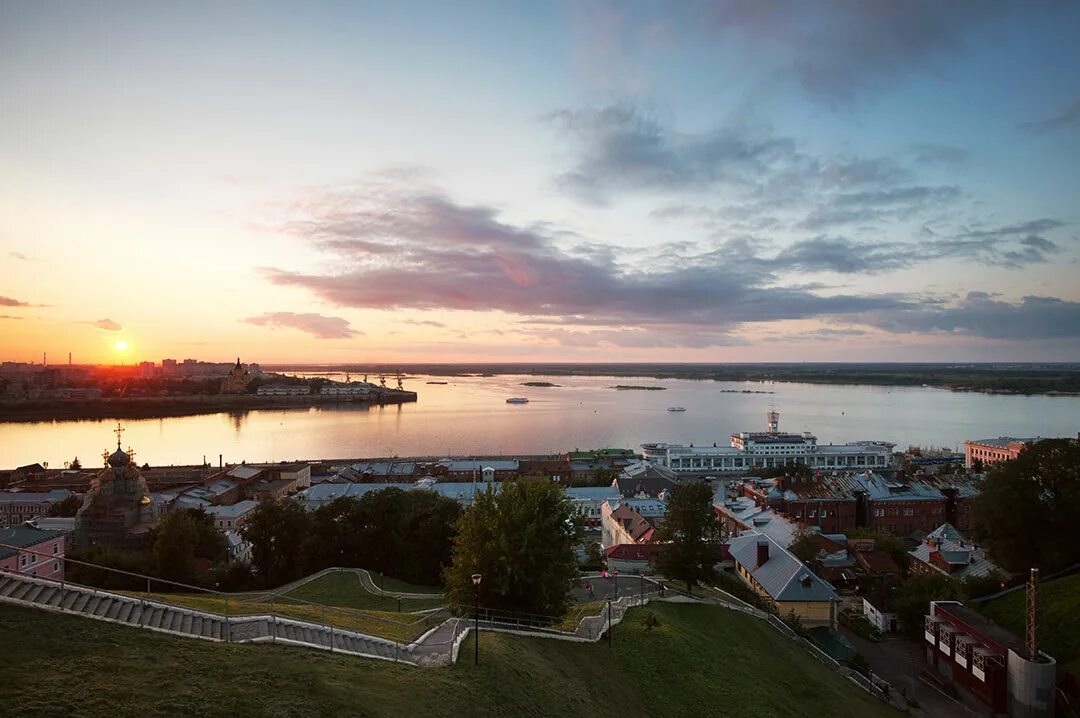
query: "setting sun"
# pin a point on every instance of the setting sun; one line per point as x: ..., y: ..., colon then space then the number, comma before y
x: 121, y: 346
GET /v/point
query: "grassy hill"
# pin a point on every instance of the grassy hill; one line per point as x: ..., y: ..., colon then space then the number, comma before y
x: 358, y: 609
x: 701, y: 661
x: 1059, y: 605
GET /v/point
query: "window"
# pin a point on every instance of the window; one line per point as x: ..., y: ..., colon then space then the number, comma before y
x: 56, y: 566
x: 56, y: 548
x: 22, y: 560
x: 812, y: 514
x: 909, y: 512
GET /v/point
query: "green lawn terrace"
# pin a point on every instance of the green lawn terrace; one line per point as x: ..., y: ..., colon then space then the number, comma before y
x: 1059, y: 618
x: 348, y: 599
x: 699, y: 661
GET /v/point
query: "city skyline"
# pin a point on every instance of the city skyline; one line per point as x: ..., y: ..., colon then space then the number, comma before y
x: 719, y: 181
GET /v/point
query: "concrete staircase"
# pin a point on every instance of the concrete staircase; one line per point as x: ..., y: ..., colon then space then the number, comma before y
x: 156, y: 616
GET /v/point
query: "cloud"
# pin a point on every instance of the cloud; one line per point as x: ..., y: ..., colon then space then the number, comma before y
x: 20, y: 256
x: 424, y: 323
x: 397, y: 247
x: 622, y: 149
x: 434, y: 253
x: 899, y: 203
x: 9, y: 302
x: 1067, y: 118
x: 8, y: 316
x: 979, y: 314
x: 929, y: 153
x: 107, y: 324
x: 838, y: 49
x: 766, y: 181
x: 316, y: 325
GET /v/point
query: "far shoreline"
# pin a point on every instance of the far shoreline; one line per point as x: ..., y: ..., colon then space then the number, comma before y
x: 31, y: 411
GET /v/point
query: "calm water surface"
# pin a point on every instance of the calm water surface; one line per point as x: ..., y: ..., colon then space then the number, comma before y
x: 471, y: 416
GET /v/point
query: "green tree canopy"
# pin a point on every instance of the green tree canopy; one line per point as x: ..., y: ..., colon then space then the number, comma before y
x: 181, y: 538
x: 688, y: 541
x: 277, y: 531
x: 1028, y: 508
x: 913, y: 597
x: 68, y: 507
x: 521, y: 540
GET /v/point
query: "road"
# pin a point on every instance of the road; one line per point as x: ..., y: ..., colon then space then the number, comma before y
x: 899, y: 661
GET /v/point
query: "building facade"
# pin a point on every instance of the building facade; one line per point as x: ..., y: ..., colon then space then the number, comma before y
x: 770, y: 449
x: 33, y: 551
x: 986, y: 663
x: 776, y: 575
x: 993, y: 451
x: 19, y: 506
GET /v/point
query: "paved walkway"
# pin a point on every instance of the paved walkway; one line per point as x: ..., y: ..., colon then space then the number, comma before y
x: 899, y: 661
x: 604, y: 588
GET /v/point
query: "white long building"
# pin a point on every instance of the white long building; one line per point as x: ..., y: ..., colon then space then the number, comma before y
x: 769, y: 449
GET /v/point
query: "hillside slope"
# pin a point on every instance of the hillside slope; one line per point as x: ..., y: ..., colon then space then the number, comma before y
x: 1059, y: 609
x: 700, y: 661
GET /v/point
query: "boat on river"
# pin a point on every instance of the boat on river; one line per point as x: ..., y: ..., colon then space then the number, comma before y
x: 676, y: 408
x: 517, y: 400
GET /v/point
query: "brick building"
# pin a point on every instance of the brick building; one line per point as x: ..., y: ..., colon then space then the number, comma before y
x: 986, y: 663
x: 839, y: 503
x: 992, y: 451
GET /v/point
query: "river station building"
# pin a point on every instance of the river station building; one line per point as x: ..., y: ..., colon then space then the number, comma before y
x: 769, y: 449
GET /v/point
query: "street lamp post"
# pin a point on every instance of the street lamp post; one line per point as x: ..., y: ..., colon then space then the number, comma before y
x: 609, y: 621
x: 476, y: 578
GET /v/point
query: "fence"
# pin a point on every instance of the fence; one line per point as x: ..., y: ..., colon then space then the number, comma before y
x: 872, y: 684
x: 282, y: 614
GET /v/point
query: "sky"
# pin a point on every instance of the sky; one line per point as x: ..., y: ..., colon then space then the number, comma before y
x: 714, y: 180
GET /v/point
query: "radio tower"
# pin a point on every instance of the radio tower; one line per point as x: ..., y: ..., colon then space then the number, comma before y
x: 1033, y: 615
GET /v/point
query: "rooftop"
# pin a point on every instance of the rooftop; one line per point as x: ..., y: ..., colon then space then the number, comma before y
x: 977, y: 623
x: 1002, y: 442
x: 233, y: 511
x: 783, y: 576
x: 7, y: 497
x: 25, y: 535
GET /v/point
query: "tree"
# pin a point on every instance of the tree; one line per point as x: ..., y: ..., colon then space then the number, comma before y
x: 1027, y: 507
x: 429, y: 525
x: 885, y: 541
x: 521, y: 540
x: 68, y: 507
x: 805, y: 545
x: 180, y: 539
x: 688, y: 541
x: 277, y: 531
x: 177, y: 538
x: 913, y: 597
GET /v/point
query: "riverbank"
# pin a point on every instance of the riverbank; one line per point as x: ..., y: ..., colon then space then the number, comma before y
x: 176, y: 406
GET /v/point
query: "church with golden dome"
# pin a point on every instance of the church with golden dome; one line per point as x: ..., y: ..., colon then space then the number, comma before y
x: 117, y: 510
x: 237, y: 381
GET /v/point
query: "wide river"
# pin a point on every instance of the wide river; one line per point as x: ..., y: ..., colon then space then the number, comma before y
x: 470, y: 416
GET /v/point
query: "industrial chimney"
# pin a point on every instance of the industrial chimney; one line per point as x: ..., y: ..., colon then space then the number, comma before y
x: 1033, y: 615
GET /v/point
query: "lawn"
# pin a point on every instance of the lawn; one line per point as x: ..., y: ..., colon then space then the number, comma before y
x: 344, y: 589
x: 1059, y: 609
x: 700, y: 661
x: 395, y: 626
